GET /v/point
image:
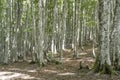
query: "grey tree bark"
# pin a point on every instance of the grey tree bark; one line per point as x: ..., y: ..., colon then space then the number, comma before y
x: 115, y: 37
x: 103, y: 63
x: 41, y: 37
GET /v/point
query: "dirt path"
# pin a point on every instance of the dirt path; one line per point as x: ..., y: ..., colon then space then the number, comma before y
x: 66, y: 71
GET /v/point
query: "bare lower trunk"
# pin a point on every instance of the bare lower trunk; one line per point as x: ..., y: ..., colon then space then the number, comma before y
x: 103, y: 63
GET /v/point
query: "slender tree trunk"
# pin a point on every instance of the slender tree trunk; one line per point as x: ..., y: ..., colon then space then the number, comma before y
x: 34, y: 33
x: 7, y: 46
x: 41, y: 33
x: 64, y: 24
x: 53, y: 46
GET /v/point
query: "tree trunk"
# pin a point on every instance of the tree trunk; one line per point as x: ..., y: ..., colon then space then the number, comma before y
x: 115, y: 37
x: 7, y: 44
x: 103, y: 63
x: 41, y: 38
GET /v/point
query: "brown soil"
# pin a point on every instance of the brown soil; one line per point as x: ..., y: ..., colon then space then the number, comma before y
x: 69, y: 70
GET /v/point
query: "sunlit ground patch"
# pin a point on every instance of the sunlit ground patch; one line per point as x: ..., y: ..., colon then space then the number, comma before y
x: 17, y: 69
x: 14, y: 75
x: 66, y: 74
x: 66, y: 59
x: 82, y: 53
x: 50, y: 71
x: 68, y: 50
x: 32, y: 71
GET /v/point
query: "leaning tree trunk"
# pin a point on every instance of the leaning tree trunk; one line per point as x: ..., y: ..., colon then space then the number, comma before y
x: 103, y: 63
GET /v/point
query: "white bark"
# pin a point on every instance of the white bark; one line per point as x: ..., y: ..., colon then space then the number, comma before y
x: 115, y: 36
x: 104, y: 31
x: 7, y: 46
x: 64, y: 24
x: 53, y: 46
x: 41, y: 33
x: 34, y: 32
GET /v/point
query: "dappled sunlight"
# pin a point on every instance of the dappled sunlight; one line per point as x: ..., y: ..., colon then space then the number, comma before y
x: 89, y: 59
x: 4, y: 73
x: 14, y: 75
x: 50, y: 71
x: 66, y: 74
x: 32, y: 71
x: 16, y: 69
x: 66, y: 59
x: 67, y: 50
x: 26, y: 70
x: 92, y: 49
x: 82, y: 53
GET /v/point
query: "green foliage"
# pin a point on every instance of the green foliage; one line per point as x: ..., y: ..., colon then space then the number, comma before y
x: 21, y: 20
x: 91, y: 23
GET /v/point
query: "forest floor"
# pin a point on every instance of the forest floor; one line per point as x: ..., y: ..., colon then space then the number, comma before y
x: 69, y: 70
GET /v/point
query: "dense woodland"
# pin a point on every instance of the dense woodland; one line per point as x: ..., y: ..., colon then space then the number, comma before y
x: 40, y: 31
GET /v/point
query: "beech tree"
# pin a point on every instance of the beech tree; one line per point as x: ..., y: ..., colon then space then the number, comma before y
x: 115, y: 35
x: 41, y: 33
x: 103, y: 62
